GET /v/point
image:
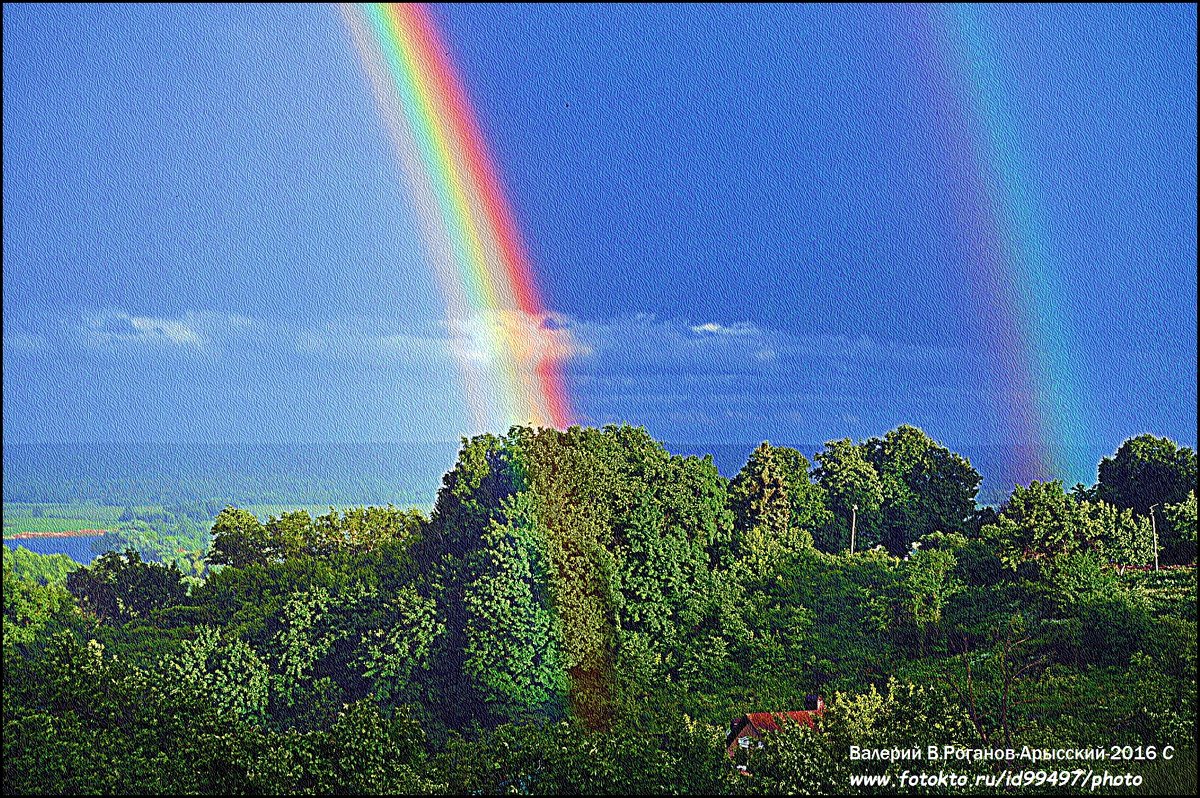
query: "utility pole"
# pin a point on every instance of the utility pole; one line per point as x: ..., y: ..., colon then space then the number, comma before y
x: 853, y: 524
x: 1154, y: 526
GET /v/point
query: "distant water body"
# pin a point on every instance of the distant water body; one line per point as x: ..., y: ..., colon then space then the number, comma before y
x: 77, y: 547
x: 337, y: 474
x: 159, y: 473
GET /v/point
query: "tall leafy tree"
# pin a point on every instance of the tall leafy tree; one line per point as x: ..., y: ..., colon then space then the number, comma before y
x: 513, y: 646
x: 225, y: 669
x: 762, y: 510
x: 45, y: 569
x: 758, y: 495
x: 359, y: 529
x: 627, y: 531
x: 399, y: 644
x: 926, y: 487
x: 582, y: 479
x: 451, y: 558
x: 1039, y: 523
x: 1125, y: 539
x: 1180, y: 527
x: 927, y: 587
x: 849, y: 480
x: 1145, y: 471
x: 30, y: 606
x: 809, y: 503
x: 239, y: 539
x: 288, y: 535
x: 120, y: 587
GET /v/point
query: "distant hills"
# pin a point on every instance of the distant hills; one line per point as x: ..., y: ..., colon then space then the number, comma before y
x: 162, y: 473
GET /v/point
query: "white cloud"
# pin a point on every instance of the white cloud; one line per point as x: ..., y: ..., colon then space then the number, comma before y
x: 683, y: 374
x: 693, y: 376
x: 738, y: 328
x: 637, y: 357
x: 114, y: 326
x: 480, y: 339
x: 174, y: 331
x: 646, y: 343
x: 488, y: 335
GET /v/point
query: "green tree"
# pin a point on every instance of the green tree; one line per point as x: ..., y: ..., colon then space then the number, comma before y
x: 31, y: 608
x: 849, y: 480
x: 808, y: 502
x: 1179, y: 539
x: 448, y: 557
x: 926, y: 487
x: 761, y: 505
x: 758, y: 495
x: 366, y: 753
x: 287, y: 535
x: 627, y: 530
x: 226, y: 670
x: 611, y: 467
x: 120, y: 587
x: 369, y: 528
x: 1125, y: 539
x: 1039, y: 523
x: 929, y: 582
x: 513, y: 639
x: 392, y: 651
x: 1145, y: 471
x: 239, y: 539
x: 45, y: 569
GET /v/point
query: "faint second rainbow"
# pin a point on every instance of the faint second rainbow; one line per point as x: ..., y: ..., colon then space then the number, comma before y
x: 1013, y: 268
x: 508, y: 347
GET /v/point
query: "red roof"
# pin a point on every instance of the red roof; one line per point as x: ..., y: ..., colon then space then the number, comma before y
x: 770, y: 721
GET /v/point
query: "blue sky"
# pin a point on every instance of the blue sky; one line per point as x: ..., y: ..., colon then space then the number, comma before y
x: 743, y: 214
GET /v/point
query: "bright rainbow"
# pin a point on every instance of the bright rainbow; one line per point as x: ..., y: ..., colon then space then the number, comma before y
x: 1014, y: 272
x: 508, y: 346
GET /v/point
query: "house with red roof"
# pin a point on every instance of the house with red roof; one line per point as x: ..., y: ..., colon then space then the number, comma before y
x: 746, y: 731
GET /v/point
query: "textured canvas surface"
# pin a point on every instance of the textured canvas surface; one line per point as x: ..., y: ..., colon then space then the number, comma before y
x: 387, y: 390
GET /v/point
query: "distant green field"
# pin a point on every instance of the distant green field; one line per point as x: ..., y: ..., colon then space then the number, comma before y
x: 22, y: 517
x: 264, y: 511
x: 19, y: 517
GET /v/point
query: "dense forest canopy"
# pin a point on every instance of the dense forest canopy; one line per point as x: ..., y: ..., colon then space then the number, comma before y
x: 583, y: 611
